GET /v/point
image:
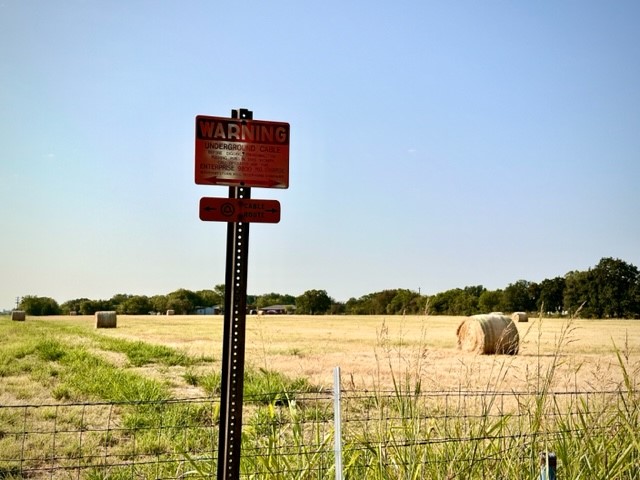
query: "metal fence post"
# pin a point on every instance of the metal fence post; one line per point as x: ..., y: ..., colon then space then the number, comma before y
x: 337, y: 423
x: 548, y: 462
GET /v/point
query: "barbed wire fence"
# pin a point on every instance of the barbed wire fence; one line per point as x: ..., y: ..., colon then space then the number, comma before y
x: 383, y: 434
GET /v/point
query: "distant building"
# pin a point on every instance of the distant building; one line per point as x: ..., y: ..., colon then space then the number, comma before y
x: 277, y: 310
x: 215, y: 310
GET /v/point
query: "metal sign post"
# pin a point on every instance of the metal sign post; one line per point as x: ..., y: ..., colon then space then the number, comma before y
x: 240, y: 153
x: 233, y: 346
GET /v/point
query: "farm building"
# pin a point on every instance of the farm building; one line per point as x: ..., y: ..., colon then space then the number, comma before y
x: 215, y: 310
x: 277, y: 310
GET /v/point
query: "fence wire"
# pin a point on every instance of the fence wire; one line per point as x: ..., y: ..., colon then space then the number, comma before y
x: 383, y: 434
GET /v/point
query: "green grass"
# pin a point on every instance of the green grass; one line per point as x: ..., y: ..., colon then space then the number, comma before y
x: 260, y: 385
x: 140, y: 353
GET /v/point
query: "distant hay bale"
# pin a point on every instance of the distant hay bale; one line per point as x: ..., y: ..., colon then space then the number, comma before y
x: 18, y: 316
x: 171, y: 312
x: 520, y: 317
x: 107, y: 319
x: 73, y: 313
x: 488, y: 334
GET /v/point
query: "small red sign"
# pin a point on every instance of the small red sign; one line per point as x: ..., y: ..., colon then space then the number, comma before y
x: 239, y: 210
x: 241, y: 153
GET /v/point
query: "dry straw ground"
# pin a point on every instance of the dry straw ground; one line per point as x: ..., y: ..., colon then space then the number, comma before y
x: 370, y: 349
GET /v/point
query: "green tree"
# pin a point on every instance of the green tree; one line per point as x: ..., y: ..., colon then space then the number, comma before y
x: 635, y: 299
x: 313, y: 302
x: 385, y: 302
x: 39, y: 306
x: 90, y: 307
x: 73, y: 306
x: 219, y: 290
x: 610, y: 289
x: 579, y: 294
x: 182, y: 301
x: 615, y: 282
x: 404, y: 302
x: 337, y: 308
x: 354, y: 306
x: 216, y: 297
x: 456, y: 301
x: 135, y: 305
x: 382, y: 301
x: 118, y: 299
x: 158, y: 303
x: 467, y: 301
x: 209, y: 298
x: 490, y: 301
x: 551, y: 297
x: 273, y: 298
x: 520, y: 296
x: 443, y: 303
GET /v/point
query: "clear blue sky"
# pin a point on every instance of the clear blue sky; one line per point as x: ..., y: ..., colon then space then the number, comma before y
x: 434, y: 145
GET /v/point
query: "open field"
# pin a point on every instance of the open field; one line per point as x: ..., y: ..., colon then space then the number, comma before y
x: 369, y: 349
x: 142, y: 400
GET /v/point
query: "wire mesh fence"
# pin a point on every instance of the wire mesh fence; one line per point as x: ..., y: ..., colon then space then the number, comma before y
x: 385, y: 434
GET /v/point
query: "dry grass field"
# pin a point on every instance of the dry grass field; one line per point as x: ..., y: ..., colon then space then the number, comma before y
x: 69, y: 391
x: 579, y: 355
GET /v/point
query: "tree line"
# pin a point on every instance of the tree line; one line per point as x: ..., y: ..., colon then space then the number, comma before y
x: 611, y: 289
x: 181, y: 302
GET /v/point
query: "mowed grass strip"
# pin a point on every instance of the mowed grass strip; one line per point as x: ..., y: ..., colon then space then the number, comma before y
x: 64, y: 363
x: 140, y: 353
x: 52, y: 355
x: 68, y: 358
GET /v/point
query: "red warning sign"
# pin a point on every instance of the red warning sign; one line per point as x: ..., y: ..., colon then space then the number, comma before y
x: 239, y: 210
x: 241, y: 153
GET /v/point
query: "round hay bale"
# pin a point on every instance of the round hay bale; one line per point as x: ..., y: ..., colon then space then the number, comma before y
x: 171, y: 312
x: 519, y: 317
x: 107, y: 319
x: 18, y: 316
x: 488, y: 334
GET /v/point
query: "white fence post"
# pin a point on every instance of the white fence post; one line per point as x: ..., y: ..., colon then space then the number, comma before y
x: 337, y: 422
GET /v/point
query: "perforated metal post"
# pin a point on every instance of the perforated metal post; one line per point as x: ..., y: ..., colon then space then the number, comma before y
x: 235, y: 316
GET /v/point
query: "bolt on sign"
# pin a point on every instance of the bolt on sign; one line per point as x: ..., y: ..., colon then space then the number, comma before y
x: 241, y: 153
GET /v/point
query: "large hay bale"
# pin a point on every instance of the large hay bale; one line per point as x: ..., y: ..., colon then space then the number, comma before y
x: 519, y: 317
x: 488, y: 334
x: 171, y: 312
x: 107, y: 319
x: 18, y: 316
